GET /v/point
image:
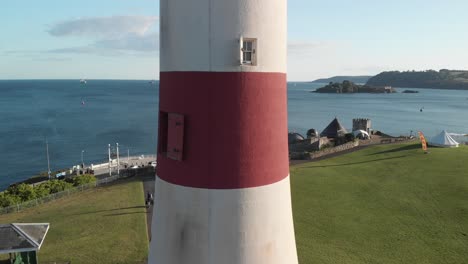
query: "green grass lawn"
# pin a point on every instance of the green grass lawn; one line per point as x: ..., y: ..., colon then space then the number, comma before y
x: 103, y: 225
x: 384, y: 204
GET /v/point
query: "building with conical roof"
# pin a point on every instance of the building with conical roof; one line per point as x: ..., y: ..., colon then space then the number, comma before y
x: 334, y: 130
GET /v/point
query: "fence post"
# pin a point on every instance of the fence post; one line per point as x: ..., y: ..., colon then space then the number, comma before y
x: 17, y: 207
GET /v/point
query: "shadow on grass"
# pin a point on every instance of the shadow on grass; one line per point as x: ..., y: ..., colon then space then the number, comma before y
x: 403, y: 148
x: 129, y: 213
x: 139, y: 178
x: 110, y: 210
x: 353, y: 163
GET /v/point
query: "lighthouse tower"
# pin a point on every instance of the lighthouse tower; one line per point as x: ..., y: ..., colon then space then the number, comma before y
x: 222, y: 191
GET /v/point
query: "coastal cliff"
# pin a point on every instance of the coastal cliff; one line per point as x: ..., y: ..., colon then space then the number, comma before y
x: 443, y: 79
x: 350, y: 87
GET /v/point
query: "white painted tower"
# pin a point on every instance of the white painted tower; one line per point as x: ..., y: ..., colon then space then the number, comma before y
x: 222, y: 190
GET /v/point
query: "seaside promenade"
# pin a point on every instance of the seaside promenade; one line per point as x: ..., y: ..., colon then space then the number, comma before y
x: 127, y: 165
x: 133, y: 162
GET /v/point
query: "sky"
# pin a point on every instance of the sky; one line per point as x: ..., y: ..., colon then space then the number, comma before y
x: 118, y: 39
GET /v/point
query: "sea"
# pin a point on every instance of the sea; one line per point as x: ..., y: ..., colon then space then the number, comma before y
x: 79, y: 120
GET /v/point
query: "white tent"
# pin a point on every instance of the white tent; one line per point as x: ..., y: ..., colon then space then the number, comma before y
x: 443, y: 140
x: 363, y: 134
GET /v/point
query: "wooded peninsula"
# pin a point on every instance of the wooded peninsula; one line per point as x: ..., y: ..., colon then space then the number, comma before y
x: 443, y: 79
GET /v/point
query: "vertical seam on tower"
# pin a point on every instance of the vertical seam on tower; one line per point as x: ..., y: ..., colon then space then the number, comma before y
x: 209, y: 35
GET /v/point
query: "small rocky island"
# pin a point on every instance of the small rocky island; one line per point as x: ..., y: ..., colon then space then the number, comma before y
x: 350, y: 87
x: 410, y: 91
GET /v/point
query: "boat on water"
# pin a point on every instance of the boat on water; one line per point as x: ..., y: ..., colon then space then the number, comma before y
x: 83, y: 81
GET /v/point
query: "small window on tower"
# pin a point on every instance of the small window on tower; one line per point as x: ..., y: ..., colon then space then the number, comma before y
x: 248, y: 51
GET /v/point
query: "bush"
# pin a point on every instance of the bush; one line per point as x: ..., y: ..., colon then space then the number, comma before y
x: 24, y: 192
x: 81, y: 180
x: 42, y: 190
x: 7, y: 199
x: 349, y: 137
x: 56, y: 186
x: 326, y: 146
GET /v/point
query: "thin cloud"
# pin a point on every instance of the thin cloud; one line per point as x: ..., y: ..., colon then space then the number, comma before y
x: 74, y: 50
x: 115, y: 35
x: 19, y: 52
x: 103, y: 27
x: 51, y: 59
x: 88, y: 50
x: 296, y: 47
x: 295, y: 44
x: 129, y: 44
x: 149, y: 42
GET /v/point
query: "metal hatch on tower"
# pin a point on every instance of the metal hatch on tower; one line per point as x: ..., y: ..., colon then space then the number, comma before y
x: 171, y: 135
x: 175, y: 137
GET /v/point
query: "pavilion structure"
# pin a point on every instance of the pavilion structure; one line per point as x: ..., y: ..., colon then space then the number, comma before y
x: 22, y: 241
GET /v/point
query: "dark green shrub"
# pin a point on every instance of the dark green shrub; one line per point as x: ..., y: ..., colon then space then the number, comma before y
x: 326, y: 146
x: 7, y: 199
x: 349, y: 137
x: 42, y: 190
x: 81, y: 180
x: 25, y: 192
x: 56, y: 186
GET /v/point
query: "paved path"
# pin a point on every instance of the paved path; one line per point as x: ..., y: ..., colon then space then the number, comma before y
x: 148, y: 186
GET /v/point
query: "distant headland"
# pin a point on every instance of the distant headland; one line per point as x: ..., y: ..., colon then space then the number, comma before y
x: 431, y: 79
x: 339, y: 79
x: 350, y: 87
x: 443, y: 79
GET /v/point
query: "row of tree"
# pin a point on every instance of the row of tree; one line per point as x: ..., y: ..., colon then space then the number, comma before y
x: 23, y: 192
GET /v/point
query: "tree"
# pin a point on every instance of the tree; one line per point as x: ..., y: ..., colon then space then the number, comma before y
x: 25, y: 192
x: 81, y: 180
x: 42, y: 190
x: 56, y: 186
x: 7, y: 199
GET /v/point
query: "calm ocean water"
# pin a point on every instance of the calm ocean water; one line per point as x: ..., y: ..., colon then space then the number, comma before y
x: 126, y: 112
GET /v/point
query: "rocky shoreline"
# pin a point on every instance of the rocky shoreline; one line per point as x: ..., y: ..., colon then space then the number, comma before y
x: 349, y: 87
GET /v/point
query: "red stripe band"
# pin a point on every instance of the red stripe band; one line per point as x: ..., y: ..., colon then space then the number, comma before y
x: 234, y: 129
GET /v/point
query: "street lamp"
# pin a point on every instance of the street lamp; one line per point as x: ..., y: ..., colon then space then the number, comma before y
x: 82, y: 163
x: 48, y: 162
